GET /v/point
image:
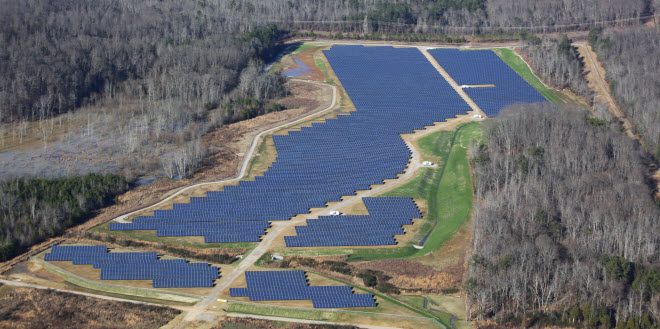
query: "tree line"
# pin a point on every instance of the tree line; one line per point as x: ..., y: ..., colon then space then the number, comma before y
x: 631, y: 59
x: 566, y: 228
x: 32, y: 210
x: 558, y: 63
x: 63, y: 53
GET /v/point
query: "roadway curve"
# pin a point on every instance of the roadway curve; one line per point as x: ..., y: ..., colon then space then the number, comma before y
x: 246, y: 158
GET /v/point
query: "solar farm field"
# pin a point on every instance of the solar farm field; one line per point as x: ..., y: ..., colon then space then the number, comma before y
x: 326, y: 161
x: 349, y: 185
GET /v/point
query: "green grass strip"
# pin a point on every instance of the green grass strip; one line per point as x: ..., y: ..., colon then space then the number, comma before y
x: 514, y: 61
x: 450, y: 190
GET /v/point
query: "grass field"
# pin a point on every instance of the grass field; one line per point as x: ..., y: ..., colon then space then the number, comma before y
x: 449, y: 200
x: 416, y: 301
x: 510, y: 57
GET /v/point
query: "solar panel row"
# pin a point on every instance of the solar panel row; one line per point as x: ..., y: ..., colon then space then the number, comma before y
x: 292, y: 285
x: 165, y: 273
x: 394, y: 90
x: 385, y: 219
x: 479, y: 67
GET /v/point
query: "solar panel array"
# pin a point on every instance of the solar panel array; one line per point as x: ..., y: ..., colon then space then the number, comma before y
x: 292, y: 285
x: 395, y: 90
x: 211, y: 231
x: 165, y: 273
x: 479, y: 67
x: 385, y: 219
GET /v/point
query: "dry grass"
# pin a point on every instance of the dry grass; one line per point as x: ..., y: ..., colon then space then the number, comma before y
x: 356, y: 209
x: 34, y: 308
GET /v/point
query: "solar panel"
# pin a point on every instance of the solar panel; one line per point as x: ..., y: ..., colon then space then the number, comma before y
x: 394, y: 90
x: 165, y: 273
x: 481, y: 67
x: 292, y: 285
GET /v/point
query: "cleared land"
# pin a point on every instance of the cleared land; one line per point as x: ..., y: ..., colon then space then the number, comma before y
x: 444, y: 194
x: 35, y: 308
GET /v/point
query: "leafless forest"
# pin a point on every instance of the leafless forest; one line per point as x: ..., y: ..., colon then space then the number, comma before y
x: 631, y: 58
x: 558, y: 63
x: 147, y: 78
x: 565, y: 222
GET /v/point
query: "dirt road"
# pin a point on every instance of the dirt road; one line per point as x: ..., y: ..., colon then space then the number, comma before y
x: 451, y: 81
x: 281, y: 226
x: 246, y: 158
x: 596, y: 82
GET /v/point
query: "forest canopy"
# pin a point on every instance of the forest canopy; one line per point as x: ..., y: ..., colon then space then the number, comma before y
x: 565, y: 210
x: 32, y: 210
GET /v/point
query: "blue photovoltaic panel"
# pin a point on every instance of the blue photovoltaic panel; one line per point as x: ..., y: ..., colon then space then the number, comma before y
x: 395, y: 91
x: 165, y: 273
x: 292, y: 285
x: 385, y: 219
x: 481, y: 67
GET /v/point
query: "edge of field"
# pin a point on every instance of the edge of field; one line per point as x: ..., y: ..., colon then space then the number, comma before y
x: 511, y: 58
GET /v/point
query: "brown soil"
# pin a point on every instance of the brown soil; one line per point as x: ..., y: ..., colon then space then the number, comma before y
x: 600, y: 93
x: 230, y: 322
x: 307, y: 57
x: 160, y: 248
x: 399, y: 267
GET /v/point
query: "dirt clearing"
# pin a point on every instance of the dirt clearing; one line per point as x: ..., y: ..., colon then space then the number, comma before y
x: 302, y: 65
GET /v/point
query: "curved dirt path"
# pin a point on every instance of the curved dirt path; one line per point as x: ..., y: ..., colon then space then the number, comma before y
x: 246, y: 159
